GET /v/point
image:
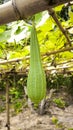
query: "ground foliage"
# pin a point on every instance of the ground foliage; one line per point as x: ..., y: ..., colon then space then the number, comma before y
x: 58, y: 113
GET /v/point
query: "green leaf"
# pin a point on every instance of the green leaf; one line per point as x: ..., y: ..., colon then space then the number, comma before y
x: 71, y: 16
x: 2, y: 28
x: 5, y: 35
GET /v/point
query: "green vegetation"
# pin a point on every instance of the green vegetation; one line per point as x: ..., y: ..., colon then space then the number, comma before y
x: 56, y: 122
x: 59, y: 102
x: 57, y: 62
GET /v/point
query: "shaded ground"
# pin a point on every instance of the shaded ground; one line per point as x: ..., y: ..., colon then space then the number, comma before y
x: 59, y: 116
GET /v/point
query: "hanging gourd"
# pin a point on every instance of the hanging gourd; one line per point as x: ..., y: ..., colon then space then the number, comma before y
x: 36, y: 81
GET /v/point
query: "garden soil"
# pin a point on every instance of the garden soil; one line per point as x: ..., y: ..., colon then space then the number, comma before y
x: 55, y: 118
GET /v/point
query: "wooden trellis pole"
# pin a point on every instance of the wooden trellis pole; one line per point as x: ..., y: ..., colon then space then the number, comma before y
x: 22, y: 9
x: 7, y: 105
x: 52, y: 13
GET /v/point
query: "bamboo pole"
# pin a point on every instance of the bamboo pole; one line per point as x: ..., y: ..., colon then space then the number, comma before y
x: 22, y: 9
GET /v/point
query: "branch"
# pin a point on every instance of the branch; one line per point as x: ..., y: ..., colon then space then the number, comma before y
x: 59, y: 51
x: 7, y: 106
x: 58, y: 68
x: 48, y: 69
x: 52, y: 13
x: 60, y: 72
x: 27, y: 57
x: 67, y: 28
x: 21, y: 9
x: 66, y: 62
x: 13, y: 60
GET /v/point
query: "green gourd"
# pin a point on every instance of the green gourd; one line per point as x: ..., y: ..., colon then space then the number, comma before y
x: 36, y: 81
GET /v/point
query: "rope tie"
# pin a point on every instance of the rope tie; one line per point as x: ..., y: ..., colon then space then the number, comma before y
x: 17, y: 12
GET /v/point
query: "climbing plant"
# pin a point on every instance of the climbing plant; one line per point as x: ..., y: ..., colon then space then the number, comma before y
x: 55, y: 35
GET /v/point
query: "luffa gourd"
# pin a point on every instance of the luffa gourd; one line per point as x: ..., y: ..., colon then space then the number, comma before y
x: 36, y: 81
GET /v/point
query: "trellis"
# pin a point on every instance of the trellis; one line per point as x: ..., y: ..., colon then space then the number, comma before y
x: 48, y: 68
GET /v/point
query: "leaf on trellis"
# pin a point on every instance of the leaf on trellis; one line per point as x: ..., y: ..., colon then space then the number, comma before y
x: 71, y: 16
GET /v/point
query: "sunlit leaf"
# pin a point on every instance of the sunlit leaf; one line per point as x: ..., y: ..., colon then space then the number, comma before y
x: 5, y: 35
x: 71, y: 16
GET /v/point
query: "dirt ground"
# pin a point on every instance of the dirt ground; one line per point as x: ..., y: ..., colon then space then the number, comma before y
x: 55, y: 118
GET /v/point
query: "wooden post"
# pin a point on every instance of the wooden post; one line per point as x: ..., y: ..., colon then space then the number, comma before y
x: 7, y: 105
